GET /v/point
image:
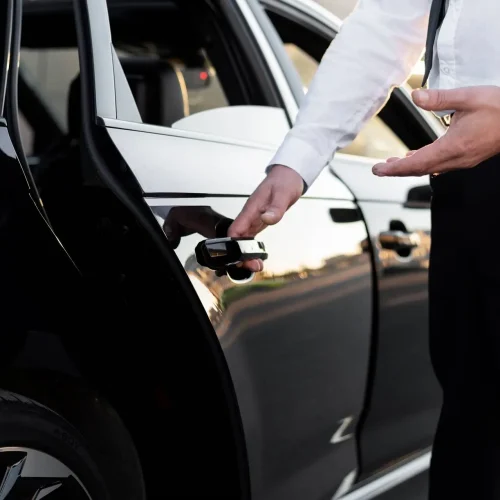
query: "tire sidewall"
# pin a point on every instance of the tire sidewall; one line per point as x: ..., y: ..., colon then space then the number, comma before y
x: 40, y: 429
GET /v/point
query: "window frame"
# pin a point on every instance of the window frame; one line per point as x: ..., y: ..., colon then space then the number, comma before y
x: 106, y: 81
x: 6, y: 21
x: 402, y: 118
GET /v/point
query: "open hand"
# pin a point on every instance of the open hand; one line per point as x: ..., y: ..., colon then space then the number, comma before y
x: 473, y: 136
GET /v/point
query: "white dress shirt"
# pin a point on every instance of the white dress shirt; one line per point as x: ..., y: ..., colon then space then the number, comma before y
x: 375, y: 50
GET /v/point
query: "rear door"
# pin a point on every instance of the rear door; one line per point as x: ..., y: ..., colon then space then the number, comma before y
x: 404, y: 398
x: 295, y: 337
x: 31, y: 257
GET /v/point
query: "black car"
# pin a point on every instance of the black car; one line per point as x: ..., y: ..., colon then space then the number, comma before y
x: 139, y: 360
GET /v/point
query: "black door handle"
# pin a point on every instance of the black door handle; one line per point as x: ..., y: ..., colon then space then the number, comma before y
x: 222, y: 253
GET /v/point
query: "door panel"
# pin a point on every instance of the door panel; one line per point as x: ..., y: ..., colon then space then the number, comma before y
x: 296, y: 338
x: 210, y: 164
x: 405, y: 396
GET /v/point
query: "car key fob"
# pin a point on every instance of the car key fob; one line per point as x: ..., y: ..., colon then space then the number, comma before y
x: 220, y: 253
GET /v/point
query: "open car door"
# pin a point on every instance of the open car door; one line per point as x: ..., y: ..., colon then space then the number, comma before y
x: 31, y: 255
x: 287, y: 350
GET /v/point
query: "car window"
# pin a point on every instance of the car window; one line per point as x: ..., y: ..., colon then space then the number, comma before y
x: 172, y: 68
x: 187, y: 64
x: 49, y: 72
x: 27, y: 135
x: 154, y: 77
x: 376, y: 139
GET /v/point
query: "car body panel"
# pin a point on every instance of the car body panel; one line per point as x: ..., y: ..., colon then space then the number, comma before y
x: 296, y: 338
x: 405, y: 397
x: 224, y: 158
x: 290, y: 333
x: 289, y: 336
x: 403, y: 400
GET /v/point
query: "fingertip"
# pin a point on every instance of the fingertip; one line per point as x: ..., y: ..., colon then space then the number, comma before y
x: 420, y: 97
x: 270, y: 217
x: 235, y: 229
x: 379, y: 170
x: 254, y: 265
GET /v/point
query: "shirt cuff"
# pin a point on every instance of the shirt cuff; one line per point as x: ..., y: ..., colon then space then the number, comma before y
x: 298, y: 155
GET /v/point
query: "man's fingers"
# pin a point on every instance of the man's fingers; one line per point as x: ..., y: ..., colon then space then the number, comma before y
x: 276, y: 208
x: 434, y: 158
x: 264, y: 208
x: 249, y: 221
x: 461, y: 99
x: 256, y: 266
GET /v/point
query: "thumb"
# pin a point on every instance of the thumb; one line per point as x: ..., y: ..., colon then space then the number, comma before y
x: 443, y: 100
x: 278, y: 205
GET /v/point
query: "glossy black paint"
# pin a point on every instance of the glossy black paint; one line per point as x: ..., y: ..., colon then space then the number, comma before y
x: 80, y: 335
x: 405, y: 397
x: 182, y: 354
x: 289, y: 336
x: 30, y: 253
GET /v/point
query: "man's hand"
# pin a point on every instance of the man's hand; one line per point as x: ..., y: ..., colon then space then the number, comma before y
x: 473, y: 136
x: 275, y: 195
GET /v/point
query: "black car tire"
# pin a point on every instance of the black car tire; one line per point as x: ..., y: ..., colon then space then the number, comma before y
x: 31, y: 433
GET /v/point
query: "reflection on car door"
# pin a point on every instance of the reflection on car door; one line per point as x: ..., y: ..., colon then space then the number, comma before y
x: 403, y: 398
x: 296, y: 337
x: 404, y: 394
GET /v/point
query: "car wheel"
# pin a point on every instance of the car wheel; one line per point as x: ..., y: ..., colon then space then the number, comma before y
x: 42, y: 455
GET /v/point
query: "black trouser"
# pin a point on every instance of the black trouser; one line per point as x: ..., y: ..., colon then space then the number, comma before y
x: 465, y: 332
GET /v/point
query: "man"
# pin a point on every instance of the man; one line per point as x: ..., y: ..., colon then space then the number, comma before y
x: 377, y: 47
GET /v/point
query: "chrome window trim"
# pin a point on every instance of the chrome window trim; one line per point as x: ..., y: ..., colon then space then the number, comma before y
x: 312, y: 9
x: 101, y: 48
x: 391, y: 479
x: 271, y: 60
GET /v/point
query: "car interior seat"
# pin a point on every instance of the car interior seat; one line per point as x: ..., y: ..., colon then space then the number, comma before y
x: 159, y: 90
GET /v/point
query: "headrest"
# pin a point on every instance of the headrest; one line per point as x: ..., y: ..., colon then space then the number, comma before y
x: 159, y: 90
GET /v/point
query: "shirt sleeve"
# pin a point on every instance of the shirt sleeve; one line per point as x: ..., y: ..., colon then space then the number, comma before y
x: 375, y: 50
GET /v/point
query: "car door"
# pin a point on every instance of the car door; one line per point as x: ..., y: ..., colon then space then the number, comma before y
x: 31, y: 257
x: 403, y: 398
x: 295, y: 338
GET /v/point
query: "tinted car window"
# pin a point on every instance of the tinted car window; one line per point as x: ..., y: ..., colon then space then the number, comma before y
x: 185, y: 62
x: 49, y: 72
